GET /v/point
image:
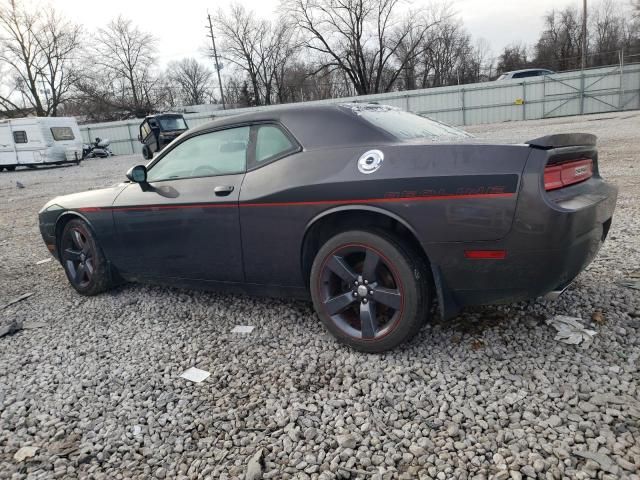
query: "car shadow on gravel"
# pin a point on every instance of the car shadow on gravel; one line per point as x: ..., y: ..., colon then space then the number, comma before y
x: 473, y: 323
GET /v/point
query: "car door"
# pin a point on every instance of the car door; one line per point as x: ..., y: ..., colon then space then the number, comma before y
x: 268, y: 253
x: 154, y: 142
x: 184, y: 222
x: 145, y: 132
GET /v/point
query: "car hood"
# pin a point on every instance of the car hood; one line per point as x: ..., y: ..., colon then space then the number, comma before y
x: 102, y: 197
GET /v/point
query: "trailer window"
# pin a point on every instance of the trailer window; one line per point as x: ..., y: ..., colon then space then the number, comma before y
x: 62, y: 133
x: 20, y: 136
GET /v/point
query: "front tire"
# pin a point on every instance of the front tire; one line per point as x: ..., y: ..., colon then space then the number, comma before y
x: 146, y: 153
x: 83, y: 261
x: 370, y: 290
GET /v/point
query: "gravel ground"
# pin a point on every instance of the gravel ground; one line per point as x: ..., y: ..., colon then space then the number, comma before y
x: 93, y: 383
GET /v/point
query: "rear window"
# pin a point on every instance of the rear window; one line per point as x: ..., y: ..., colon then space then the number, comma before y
x: 20, y: 136
x: 404, y: 125
x: 62, y: 133
x: 172, y: 123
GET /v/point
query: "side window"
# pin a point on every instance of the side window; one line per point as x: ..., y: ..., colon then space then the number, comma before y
x: 20, y: 136
x: 216, y: 153
x: 525, y: 74
x: 145, y: 130
x: 62, y: 133
x: 271, y: 142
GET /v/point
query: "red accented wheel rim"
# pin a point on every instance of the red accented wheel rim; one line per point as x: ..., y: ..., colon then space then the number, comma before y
x: 361, y: 292
x: 78, y: 257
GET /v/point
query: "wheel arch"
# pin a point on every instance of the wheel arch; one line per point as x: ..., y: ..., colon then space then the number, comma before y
x: 330, y: 222
x: 65, y: 218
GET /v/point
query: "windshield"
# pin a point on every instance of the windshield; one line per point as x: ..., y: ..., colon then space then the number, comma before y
x: 404, y: 125
x: 172, y: 123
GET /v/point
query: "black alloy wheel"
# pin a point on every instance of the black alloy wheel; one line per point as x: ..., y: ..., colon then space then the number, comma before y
x: 82, y: 259
x: 360, y: 291
x: 365, y: 290
x: 78, y: 257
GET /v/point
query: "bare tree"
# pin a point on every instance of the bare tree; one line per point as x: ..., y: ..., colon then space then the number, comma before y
x: 513, y: 57
x: 611, y: 31
x: 123, y: 56
x: 259, y: 48
x: 482, y: 56
x: 607, y: 31
x: 362, y: 38
x: 448, y: 55
x: 560, y: 44
x: 190, y: 81
x: 38, y: 50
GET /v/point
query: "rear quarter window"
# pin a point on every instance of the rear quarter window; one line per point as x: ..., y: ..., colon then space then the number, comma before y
x: 62, y: 133
x: 271, y: 142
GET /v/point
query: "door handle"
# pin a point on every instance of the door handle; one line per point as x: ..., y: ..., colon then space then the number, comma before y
x: 223, y: 190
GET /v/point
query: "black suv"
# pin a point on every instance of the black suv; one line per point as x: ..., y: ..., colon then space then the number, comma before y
x: 157, y: 131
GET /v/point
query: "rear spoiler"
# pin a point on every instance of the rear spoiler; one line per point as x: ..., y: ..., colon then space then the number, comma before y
x: 563, y: 140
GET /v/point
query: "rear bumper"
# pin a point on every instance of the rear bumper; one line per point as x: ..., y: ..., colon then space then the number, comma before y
x: 555, y: 235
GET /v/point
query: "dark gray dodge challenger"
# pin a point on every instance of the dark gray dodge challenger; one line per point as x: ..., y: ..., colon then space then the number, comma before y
x: 371, y: 211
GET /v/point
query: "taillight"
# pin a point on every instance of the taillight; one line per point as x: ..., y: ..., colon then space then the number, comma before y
x: 558, y: 176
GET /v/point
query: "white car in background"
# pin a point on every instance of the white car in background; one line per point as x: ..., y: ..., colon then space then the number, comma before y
x: 34, y: 141
x: 525, y: 73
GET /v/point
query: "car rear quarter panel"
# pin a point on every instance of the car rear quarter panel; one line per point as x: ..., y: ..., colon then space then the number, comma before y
x: 443, y: 192
x: 554, y: 236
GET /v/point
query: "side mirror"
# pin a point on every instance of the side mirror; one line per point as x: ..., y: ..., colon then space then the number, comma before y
x: 137, y: 174
x: 139, y: 137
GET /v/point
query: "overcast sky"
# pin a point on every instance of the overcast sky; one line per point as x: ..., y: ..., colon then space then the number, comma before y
x: 180, y: 25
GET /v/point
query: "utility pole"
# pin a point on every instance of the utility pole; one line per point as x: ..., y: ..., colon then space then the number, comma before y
x: 584, y: 34
x: 215, y: 56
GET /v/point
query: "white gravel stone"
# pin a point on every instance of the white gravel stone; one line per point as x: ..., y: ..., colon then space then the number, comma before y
x: 486, y: 393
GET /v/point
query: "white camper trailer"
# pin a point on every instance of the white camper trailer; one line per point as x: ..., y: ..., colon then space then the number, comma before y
x: 36, y: 141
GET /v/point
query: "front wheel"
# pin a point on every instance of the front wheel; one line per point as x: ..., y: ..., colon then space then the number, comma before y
x: 370, y: 290
x: 147, y: 154
x: 82, y: 259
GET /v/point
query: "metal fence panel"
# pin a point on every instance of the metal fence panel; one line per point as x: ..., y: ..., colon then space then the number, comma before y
x: 569, y: 93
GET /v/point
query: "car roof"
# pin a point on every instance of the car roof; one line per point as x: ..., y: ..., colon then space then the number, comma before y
x: 155, y: 115
x: 312, y: 125
x: 527, y: 70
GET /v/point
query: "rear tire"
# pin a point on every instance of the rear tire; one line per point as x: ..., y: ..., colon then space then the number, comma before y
x: 370, y: 290
x: 146, y: 153
x: 11, y: 168
x: 83, y: 261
